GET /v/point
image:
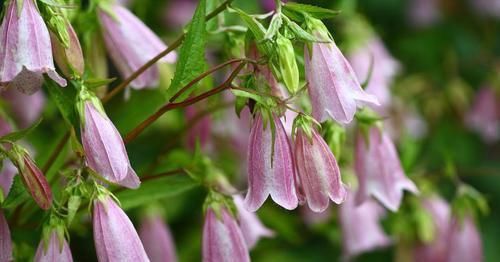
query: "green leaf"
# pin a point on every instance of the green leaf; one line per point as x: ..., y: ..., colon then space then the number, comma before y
x: 302, y: 34
x: 95, y: 82
x: 274, y: 27
x: 257, y: 29
x: 296, y: 11
x: 16, y: 195
x: 192, y: 54
x: 65, y: 100
x: 245, y: 94
x: 14, y: 136
x: 156, y: 189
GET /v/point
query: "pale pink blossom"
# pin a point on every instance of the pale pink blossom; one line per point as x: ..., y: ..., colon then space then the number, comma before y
x: 483, y: 117
x: 157, y: 239
x: 54, y: 250
x: 5, y: 240
x: 250, y: 224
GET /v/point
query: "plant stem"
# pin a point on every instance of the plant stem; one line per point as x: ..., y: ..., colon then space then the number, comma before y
x: 170, y: 106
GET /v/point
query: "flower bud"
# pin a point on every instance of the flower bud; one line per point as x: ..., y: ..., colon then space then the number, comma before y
x: 288, y: 64
x: 104, y: 149
x: 33, y: 180
x: 69, y: 59
x: 26, y: 52
x: 157, y: 239
x: 55, y: 249
x: 114, y: 235
x: 5, y: 240
x: 222, y: 238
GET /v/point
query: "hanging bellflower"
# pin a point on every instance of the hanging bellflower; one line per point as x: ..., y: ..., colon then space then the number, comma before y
x: 317, y: 168
x: 222, y: 238
x: 379, y: 170
x: 333, y: 88
x: 270, y: 165
x: 57, y: 249
x: 157, y: 239
x: 250, y: 224
x: 115, y: 237
x: 131, y: 44
x: 26, y: 51
x: 5, y: 240
x: 104, y: 148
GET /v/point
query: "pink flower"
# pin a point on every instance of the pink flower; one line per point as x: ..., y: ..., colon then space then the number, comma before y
x: 379, y: 170
x: 487, y: 7
x: 333, y: 87
x: 104, y: 148
x: 179, y: 13
x: 70, y: 59
x: 5, y: 240
x: 384, y: 69
x: 24, y: 115
x: 424, y: 13
x: 7, y: 177
x: 54, y: 250
x: 157, y: 239
x: 25, y: 52
x: 318, y: 172
x: 435, y: 250
x: 361, y: 231
x: 199, y: 129
x: 222, y: 238
x: 131, y: 44
x: 270, y: 174
x: 483, y: 117
x: 464, y: 242
x: 251, y: 227
x: 114, y: 235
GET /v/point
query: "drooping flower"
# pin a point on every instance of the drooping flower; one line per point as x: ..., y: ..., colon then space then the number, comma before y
x: 464, y: 241
x: 222, y: 238
x: 384, y: 69
x: 5, y: 240
x: 424, y: 13
x: 250, y: 224
x: 157, y: 239
x: 333, y: 88
x: 270, y: 174
x: 114, y: 235
x: 436, y: 250
x: 69, y: 59
x: 361, y: 231
x: 54, y: 250
x: 7, y: 177
x: 104, y: 148
x: 17, y: 101
x: 131, y: 44
x: 483, y: 117
x: 318, y: 171
x: 199, y: 128
x: 34, y: 180
x: 25, y: 52
x: 379, y: 170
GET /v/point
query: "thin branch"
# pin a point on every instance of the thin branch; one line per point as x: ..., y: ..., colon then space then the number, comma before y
x: 170, y: 106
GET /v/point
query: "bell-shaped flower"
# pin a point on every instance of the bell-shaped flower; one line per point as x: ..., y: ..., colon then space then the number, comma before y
x: 5, y: 240
x: 270, y: 166
x: 379, y: 170
x: 333, y: 88
x: 361, y: 229
x: 56, y: 249
x: 115, y: 237
x: 25, y: 52
x: 104, y: 148
x: 24, y: 115
x: 464, y: 241
x: 157, y: 239
x: 483, y: 117
x: 383, y: 70
x: 436, y: 249
x: 222, y: 238
x: 318, y: 171
x: 131, y: 44
x: 250, y: 224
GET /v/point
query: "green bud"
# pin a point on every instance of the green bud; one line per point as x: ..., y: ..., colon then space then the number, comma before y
x: 287, y: 64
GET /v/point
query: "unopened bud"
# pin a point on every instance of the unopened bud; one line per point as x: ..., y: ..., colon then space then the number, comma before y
x: 69, y: 59
x: 288, y: 64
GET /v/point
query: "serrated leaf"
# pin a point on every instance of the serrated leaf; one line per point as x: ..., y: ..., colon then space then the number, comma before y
x: 156, y: 189
x: 296, y: 11
x: 274, y: 27
x: 192, y: 54
x: 17, y: 194
x: 65, y: 100
x: 14, y: 136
